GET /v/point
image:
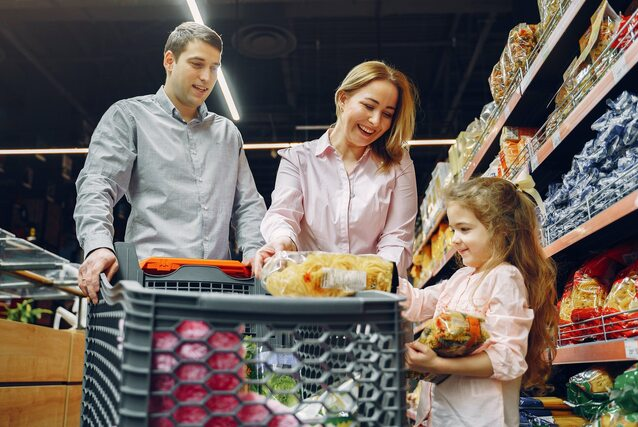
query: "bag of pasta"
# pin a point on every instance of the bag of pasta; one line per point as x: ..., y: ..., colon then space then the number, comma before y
x: 623, y: 297
x: 323, y: 274
x: 453, y: 334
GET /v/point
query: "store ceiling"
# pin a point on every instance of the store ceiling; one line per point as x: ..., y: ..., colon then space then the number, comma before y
x: 63, y: 62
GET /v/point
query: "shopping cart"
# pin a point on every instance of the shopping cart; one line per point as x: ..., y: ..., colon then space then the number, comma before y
x: 169, y: 357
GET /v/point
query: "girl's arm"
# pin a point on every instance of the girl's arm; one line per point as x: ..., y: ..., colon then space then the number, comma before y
x: 419, y: 304
x: 421, y: 358
x: 395, y: 242
x: 508, y: 321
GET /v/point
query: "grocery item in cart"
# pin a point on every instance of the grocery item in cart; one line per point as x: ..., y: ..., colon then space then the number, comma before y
x: 323, y: 274
x: 452, y: 334
x: 182, y: 362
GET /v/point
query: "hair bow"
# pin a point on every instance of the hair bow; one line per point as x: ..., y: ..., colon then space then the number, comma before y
x: 526, y: 184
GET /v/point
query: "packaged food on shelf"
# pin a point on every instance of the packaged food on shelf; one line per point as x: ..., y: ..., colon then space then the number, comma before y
x: 520, y: 44
x: 625, y: 390
x: 588, y: 310
x: 614, y: 416
x: 549, y: 9
x: 496, y: 83
x: 487, y: 114
x: 623, y: 299
x: 601, y: 174
x: 604, y: 23
x: 512, y: 143
x: 627, y: 26
x: 323, y: 274
x: 588, y: 391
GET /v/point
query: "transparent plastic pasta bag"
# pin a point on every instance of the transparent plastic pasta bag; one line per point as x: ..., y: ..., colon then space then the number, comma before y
x: 452, y: 334
x: 323, y: 274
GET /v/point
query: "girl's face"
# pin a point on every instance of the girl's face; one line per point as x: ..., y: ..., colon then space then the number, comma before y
x: 471, y: 238
x: 367, y: 113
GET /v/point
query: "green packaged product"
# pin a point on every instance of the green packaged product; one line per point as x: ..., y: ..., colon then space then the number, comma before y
x: 588, y: 391
x: 625, y: 391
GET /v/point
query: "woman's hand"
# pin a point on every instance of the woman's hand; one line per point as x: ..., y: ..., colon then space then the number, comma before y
x: 268, y: 250
x: 421, y: 358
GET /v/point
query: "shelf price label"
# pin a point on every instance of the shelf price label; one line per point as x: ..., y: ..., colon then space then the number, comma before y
x: 533, y: 162
x: 619, y: 69
x: 631, y: 349
x: 556, y: 139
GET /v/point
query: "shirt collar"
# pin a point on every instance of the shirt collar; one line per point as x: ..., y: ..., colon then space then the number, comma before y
x: 323, y: 146
x: 165, y: 102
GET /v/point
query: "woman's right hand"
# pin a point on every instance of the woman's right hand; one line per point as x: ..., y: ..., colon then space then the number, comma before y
x: 268, y: 250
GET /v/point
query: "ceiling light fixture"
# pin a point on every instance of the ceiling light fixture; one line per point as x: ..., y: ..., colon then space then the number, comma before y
x: 42, y: 151
x: 312, y: 127
x: 430, y: 142
x: 234, y: 113
x: 270, y: 145
x: 247, y: 146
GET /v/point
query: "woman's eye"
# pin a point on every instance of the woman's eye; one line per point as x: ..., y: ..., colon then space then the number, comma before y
x: 368, y: 106
x: 388, y: 115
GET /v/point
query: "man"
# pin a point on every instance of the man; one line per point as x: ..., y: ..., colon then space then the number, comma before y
x: 181, y: 168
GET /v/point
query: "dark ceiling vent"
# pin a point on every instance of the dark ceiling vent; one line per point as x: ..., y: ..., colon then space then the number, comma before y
x: 264, y: 41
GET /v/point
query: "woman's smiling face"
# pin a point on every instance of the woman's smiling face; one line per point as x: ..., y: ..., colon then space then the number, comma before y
x: 366, y: 114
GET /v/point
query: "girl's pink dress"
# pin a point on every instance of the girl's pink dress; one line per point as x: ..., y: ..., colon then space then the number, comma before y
x: 500, y: 297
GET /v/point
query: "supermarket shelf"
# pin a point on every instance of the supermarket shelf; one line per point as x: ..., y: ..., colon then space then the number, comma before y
x: 490, y: 137
x: 436, y: 270
x: 625, y: 62
x: 604, y: 351
x: 435, y: 225
x: 542, y: 72
x: 618, y: 210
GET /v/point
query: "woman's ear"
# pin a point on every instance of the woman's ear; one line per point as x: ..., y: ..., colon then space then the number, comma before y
x: 342, y: 97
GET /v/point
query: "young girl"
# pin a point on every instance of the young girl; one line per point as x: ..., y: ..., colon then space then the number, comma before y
x: 354, y: 189
x: 508, y: 281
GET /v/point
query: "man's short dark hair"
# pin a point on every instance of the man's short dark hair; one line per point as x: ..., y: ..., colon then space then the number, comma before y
x: 187, y: 32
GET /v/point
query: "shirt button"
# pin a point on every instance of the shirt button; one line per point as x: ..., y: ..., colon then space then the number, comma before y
x: 200, y: 179
x: 205, y: 208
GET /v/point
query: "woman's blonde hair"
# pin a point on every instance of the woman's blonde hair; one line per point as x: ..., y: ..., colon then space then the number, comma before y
x: 389, y: 147
x: 510, y: 217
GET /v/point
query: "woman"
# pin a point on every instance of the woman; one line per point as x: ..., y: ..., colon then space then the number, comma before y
x: 354, y: 189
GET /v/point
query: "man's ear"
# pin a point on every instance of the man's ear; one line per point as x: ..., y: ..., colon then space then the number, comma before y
x: 169, y: 61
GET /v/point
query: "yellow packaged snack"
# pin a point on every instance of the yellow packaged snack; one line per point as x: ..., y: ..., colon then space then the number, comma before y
x: 323, y: 274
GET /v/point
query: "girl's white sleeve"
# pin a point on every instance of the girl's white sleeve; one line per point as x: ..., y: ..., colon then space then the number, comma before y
x: 508, y: 320
x: 420, y: 304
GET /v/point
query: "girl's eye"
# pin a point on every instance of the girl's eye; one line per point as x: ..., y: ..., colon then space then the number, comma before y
x: 388, y: 115
x: 368, y: 106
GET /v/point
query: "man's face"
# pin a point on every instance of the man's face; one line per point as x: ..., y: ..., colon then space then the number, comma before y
x: 191, y: 77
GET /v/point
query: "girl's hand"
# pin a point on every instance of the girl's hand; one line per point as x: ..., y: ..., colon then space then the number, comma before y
x: 268, y: 250
x: 420, y: 358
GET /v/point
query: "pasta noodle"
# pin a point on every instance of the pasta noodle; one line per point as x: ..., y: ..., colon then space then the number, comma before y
x: 321, y: 274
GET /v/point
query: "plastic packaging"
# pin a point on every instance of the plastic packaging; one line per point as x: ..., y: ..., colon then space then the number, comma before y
x: 453, y: 334
x: 322, y: 274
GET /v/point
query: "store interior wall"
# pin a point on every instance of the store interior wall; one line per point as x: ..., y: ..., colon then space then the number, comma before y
x: 63, y: 62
